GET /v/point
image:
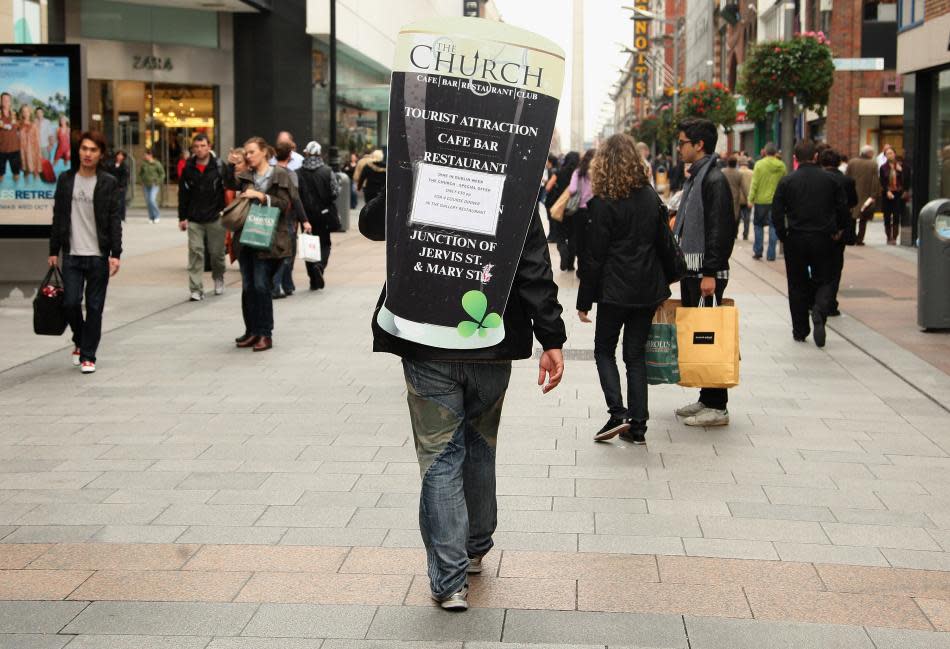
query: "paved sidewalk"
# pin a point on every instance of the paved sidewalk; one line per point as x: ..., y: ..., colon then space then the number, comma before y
x: 193, y: 495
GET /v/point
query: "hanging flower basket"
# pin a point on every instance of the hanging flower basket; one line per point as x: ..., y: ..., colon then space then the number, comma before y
x: 711, y: 101
x: 801, y: 70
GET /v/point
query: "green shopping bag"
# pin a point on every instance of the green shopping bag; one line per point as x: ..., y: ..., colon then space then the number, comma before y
x: 260, y: 226
x: 662, y: 352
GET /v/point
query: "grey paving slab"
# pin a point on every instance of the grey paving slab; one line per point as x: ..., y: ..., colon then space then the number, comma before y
x: 432, y: 623
x: 310, y: 621
x: 37, y: 617
x: 266, y: 643
x: 52, y: 534
x: 908, y: 639
x: 683, y: 525
x: 228, y: 515
x: 33, y: 641
x: 918, y: 559
x: 333, y: 536
x: 311, y: 516
x: 231, y: 534
x: 520, y: 645
x: 718, y: 633
x: 884, y: 536
x: 389, y: 644
x: 137, y: 642
x: 622, y: 544
x: 139, y: 533
x: 754, y: 529
x: 730, y: 548
x: 817, y: 553
x: 643, y: 630
x: 162, y: 618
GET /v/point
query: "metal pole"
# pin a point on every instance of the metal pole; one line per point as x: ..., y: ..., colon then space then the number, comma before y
x: 676, y: 77
x: 332, y: 73
x: 788, y: 103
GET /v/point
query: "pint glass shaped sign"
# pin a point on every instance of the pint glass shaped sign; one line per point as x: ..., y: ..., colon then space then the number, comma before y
x: 472, y: 112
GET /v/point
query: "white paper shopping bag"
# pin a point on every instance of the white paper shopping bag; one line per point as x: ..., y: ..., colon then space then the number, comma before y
x: 308, y: 247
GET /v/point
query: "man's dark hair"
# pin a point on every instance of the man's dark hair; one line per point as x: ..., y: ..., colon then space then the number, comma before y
x: 201, y: 137
x: 149, y: 151
x: 552, y: 159
x: 283, y: 150
x: 96, y: 138
x: 770, y: 148
x: 699, y: 130
x: 805, y: 151
x: 733, y: 161
x: 829, y: 158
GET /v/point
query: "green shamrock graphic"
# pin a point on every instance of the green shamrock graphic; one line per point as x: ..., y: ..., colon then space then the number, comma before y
x: 476, y: 304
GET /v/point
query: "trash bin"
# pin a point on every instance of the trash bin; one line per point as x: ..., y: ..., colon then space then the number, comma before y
x: 343, y: 200
x: 933, y: 266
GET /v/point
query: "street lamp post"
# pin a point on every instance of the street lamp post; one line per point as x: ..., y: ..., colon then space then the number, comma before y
x: 788, y: 103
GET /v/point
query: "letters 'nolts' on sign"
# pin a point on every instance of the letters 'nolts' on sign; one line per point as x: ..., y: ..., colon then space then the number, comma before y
x: 472, y: 111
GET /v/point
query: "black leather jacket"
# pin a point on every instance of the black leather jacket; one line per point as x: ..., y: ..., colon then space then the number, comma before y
x: 105, y: 205
x: 532, y: 307
x: 720, y: 224
x: 201, y: 194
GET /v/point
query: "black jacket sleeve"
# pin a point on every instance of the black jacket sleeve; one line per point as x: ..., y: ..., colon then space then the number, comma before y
x: 842, y: 211
x: 719, y: 223
x: 851, y: 192
x: 598, y: 245
x: 780, y: 210
x: 184, y: 195
x: 115, y: 224
x: 534, y: 282
x: 373, y: 218
x: 60, y: 205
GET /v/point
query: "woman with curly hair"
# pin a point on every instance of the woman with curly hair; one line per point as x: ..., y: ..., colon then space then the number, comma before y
x: 628, y: 248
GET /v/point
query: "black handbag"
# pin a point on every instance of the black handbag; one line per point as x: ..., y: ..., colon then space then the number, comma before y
x: 49, y: 315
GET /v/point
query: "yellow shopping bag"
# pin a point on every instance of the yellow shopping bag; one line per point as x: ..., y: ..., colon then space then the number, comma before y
x: 708, y: 341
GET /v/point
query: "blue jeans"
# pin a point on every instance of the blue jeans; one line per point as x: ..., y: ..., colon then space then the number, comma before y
x: 761, y: 218
x: 257, y: 302
x: 455, y: 409
x: 92, y: 275
x: 151, y: 202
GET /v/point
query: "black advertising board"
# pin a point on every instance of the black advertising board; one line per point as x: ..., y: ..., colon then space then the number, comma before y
x: 472, y: 111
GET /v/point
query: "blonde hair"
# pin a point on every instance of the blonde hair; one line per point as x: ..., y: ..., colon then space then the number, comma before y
x: 617, y: 168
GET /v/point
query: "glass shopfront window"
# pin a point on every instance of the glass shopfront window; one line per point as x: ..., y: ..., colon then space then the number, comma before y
x: 940, y: 129
x: 120, y: 21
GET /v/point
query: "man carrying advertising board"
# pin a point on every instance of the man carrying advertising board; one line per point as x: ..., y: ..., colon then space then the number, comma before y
x: 469, y: 277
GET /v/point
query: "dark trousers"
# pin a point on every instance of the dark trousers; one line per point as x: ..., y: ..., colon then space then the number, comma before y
x: 581, y: 223
x: 836, y: 271
x: 92, y: 275
x: 810, y: 260
x: 893, y: 211
x: 257, y: 301
x: 690, y: 295
x: 567, y: 242
x: 745, y: 215
x: 284, y: 277
x: 636, y: 326
x: 315, y: 269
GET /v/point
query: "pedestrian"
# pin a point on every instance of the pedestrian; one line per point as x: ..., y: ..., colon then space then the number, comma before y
x: 734, y: 178
x: 830, y: 161
x: 200, y: 201
x: 120, y: 170
x: 9, y: 138
x: 152, y: 175
x: 47, y: 133
x: 706, y: 230
x: 893, y: 187
x: 810, y: 212
x: 628, y: 242
x: 31, y: 155
x: 455, y: 402
x: 268, y: 185
x: 63, y: 148
x: 745, y: 212
x: 350, y: 170
x: 284, y: 277
x: 644, y: 150
x: 563, y: 231
x: 285, y: 137
x: 677, y: 176
x: 87, y: 230
x: 550, y: 186
x: 576, y: 240
x: 768, y: 171
x: 372, y: 177
x: 867, y: 183
x: 319, y: 188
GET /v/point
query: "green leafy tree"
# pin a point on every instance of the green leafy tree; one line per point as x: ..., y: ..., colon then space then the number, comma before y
x: 712, y: 101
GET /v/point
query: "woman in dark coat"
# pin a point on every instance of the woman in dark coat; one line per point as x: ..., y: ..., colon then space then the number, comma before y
x: 557, y: 185
x: 628, y: 249
x: 893, y: 187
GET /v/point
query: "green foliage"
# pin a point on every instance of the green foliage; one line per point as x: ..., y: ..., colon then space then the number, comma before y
x: 802, y: 69
x: 658, y: 128
x: 710, y: 101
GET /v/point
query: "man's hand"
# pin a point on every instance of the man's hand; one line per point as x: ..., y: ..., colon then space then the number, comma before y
x: 113, y: 266
x: 707, y: 286
x: 307, y: 227
x: 53, y: 259
x: 183, y: 225
x: 582, y: 315
x: 552, y: 365
x: 890, y: 195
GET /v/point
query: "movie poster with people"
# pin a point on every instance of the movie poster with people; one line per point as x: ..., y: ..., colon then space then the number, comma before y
x: 472, y: 110
x: 38, y: 112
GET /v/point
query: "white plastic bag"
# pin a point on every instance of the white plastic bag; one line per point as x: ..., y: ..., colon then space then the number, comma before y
x: 308, y: 247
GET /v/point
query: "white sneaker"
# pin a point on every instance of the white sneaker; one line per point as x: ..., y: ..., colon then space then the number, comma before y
x: 474, y: 566
x: 76, y: 357
x: 708, y: 417
x: 690, y: 410
x: 196, y: 296
x: 157, y: 220
x: 88, y: 367
x: 455, y: 602
x: 218, y: 286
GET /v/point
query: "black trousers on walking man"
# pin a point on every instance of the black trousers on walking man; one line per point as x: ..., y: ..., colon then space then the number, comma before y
x: 809, y: 266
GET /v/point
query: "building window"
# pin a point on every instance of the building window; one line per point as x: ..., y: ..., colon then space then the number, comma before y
x: 910, y: 13
x: 26, y: 21
x: 119, y: 21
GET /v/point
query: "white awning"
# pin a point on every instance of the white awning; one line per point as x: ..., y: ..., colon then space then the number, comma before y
x: 881, y: 106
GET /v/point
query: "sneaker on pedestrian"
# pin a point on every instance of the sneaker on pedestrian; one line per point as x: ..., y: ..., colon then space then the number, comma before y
x: 76, y: 359
x: 611, y: 429
x: 757, y: 257
x: 157, y: 220
x: 636, y: 436
x: 708, y: 417
x: 218, y: 286
x: 834, y: 314
x: 196, y: 296
x: 474, y: 566
x: 690, y: 410
x: 455, y: 602
x: 818, y: 328
x: 278, y: 295
x: 88, y: 367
